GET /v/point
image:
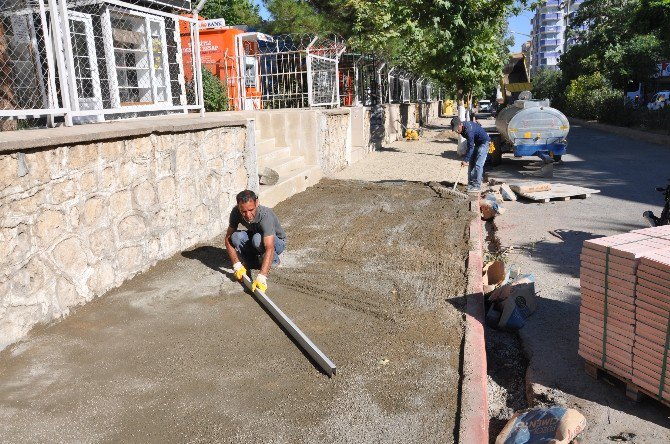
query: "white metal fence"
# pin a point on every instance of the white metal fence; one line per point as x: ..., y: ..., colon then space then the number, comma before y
x: 83, y: 61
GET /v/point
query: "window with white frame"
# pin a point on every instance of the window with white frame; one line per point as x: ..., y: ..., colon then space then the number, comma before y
x: 137, y: 59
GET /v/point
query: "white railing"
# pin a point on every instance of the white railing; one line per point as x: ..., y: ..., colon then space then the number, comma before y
x: 82, y: 61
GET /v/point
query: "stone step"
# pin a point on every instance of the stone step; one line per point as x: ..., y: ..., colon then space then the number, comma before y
x: 272, y: 157
x: 265, y: 145
x: 283, y: 167
x: 294, y: 182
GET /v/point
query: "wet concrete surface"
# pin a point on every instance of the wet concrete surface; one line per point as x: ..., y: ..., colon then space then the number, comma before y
x: 373, y: 273
x: 547, y: 239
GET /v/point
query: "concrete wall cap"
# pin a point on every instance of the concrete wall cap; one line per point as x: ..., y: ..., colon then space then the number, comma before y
x: 119, y: 129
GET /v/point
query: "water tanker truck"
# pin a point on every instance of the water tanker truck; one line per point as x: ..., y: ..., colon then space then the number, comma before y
x: 529, y: 128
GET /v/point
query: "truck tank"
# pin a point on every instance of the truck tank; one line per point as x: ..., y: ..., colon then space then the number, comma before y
x: 532, y: 126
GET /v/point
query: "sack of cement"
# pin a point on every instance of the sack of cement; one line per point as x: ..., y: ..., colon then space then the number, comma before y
x: 556, y: 425
x: 268, y: 177
x: 490, y: 207
x: 516, y: 301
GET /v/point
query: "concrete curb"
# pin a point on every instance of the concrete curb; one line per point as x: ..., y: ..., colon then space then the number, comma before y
x: 631, y: 133
x: 474, y: 421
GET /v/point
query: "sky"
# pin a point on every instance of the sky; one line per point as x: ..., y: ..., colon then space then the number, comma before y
x: 520, y: 23
x: 263, y: 12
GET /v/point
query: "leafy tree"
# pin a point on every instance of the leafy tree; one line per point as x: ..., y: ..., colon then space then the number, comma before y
x: 547, y: 84
x: 293, y: 17
x: 456, y: 43
x: 619, y: 38
x: 235, y: 12
x: 588, y: 95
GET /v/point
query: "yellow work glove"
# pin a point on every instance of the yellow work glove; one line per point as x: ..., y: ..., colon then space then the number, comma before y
x: 261, y: 282
x: 239, y: 270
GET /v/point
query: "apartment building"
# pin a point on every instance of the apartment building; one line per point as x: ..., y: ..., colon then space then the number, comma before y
x: 549, y: 32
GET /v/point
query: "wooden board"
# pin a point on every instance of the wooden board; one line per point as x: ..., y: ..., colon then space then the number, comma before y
x: 530, y: 187
x: 559, y: 191
x: 633, y: 391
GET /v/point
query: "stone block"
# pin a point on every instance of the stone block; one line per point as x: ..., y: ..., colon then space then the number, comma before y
x: 183, y: 160
x: 169, y: 241
x: 17, y: 246
x: 70, y: 257
x: 153, y: 249
x: 140, y: 149
x: 131, y: 228
x: 128, y: 173
x: 201, y: 215
x: 29, y: 204
x: 50, y: 225
x: 66, y: 295
x: 163, y: 219
x: 145, y: 195
x: 102, y: 278
x: 120, y: 203
x: 240, y: 179
x: 8, y: 171
x: 102, y: 243
x: 111, y: 151
x: 108, y: 179
x: 88, y: 183
x: 81, y: 157
x: 27, y: 282
x: 166, y: 190
x: 94, y: 212
x: 62, y: 191
x: 163, y: 165
x: 187, y: 197
x: 39, y: 165
x: 130, y: 259
x: 217, y: 165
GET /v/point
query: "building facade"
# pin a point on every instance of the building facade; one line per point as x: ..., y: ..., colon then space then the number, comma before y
x: 549, y: 32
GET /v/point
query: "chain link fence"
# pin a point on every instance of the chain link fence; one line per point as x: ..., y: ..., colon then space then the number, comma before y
x: 82, y: 61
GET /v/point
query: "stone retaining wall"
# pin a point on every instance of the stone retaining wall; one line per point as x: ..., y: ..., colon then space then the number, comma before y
x: 78, y: 220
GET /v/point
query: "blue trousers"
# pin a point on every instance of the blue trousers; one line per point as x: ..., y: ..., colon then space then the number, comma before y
x: 476, y: 165
x: 252, y: 250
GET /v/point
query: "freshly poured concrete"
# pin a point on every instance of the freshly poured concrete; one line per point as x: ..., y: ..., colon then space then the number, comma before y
x: 373, y: 273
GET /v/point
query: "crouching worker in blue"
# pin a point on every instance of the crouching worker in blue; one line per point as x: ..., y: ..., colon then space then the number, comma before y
x: 475, y: 156
x: 262, y: 242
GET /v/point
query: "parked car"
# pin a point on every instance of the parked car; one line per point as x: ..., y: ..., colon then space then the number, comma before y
x: 659, y: 100
x: 484, y: 106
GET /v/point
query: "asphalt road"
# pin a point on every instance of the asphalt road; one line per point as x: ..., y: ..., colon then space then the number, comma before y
x: 626, y: 172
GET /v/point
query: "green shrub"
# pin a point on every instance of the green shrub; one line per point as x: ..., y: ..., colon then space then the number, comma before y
x: 214, y: 92
x: 588, y: 96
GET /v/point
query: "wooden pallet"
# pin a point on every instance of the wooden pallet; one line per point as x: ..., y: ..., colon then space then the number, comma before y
x: 633, y: 391
x: 559, y: 191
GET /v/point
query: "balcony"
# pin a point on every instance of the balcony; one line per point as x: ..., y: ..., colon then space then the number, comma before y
x: 551, y: 42
x: 551, y: 16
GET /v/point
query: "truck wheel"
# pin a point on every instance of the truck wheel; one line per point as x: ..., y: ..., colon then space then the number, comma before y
x: 557, y: 158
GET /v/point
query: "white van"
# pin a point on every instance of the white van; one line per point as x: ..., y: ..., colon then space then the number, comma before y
x: 659, y: 100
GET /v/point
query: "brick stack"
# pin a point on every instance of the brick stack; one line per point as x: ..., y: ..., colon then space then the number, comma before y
x: 652, y: 311
x: 619, y: 331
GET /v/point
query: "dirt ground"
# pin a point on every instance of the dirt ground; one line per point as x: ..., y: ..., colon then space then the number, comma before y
x: 373, y: 273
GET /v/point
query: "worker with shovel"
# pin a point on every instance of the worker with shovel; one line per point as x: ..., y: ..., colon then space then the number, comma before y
x: 477, y: 149
x: 260, y: 244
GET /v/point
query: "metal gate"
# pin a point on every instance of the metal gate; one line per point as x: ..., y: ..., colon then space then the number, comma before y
x: 323, y: 86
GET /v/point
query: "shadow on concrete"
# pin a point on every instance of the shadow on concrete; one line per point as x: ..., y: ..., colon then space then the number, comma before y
x: 212, y: 257
x: 560, y: 367
x: 566, y: 373
x: 619, y: 167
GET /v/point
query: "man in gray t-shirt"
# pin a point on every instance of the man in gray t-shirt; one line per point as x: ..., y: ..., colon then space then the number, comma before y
x: 261, y: 243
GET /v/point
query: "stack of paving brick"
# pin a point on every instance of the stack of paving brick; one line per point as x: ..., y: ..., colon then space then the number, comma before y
x: 619, y: 331
x: 652, y: 313
x: 607, y: 312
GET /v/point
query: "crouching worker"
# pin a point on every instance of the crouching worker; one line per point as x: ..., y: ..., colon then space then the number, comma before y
x: 262, y: 242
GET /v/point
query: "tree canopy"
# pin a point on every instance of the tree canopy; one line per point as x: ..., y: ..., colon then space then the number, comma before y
x: 623, y: 39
